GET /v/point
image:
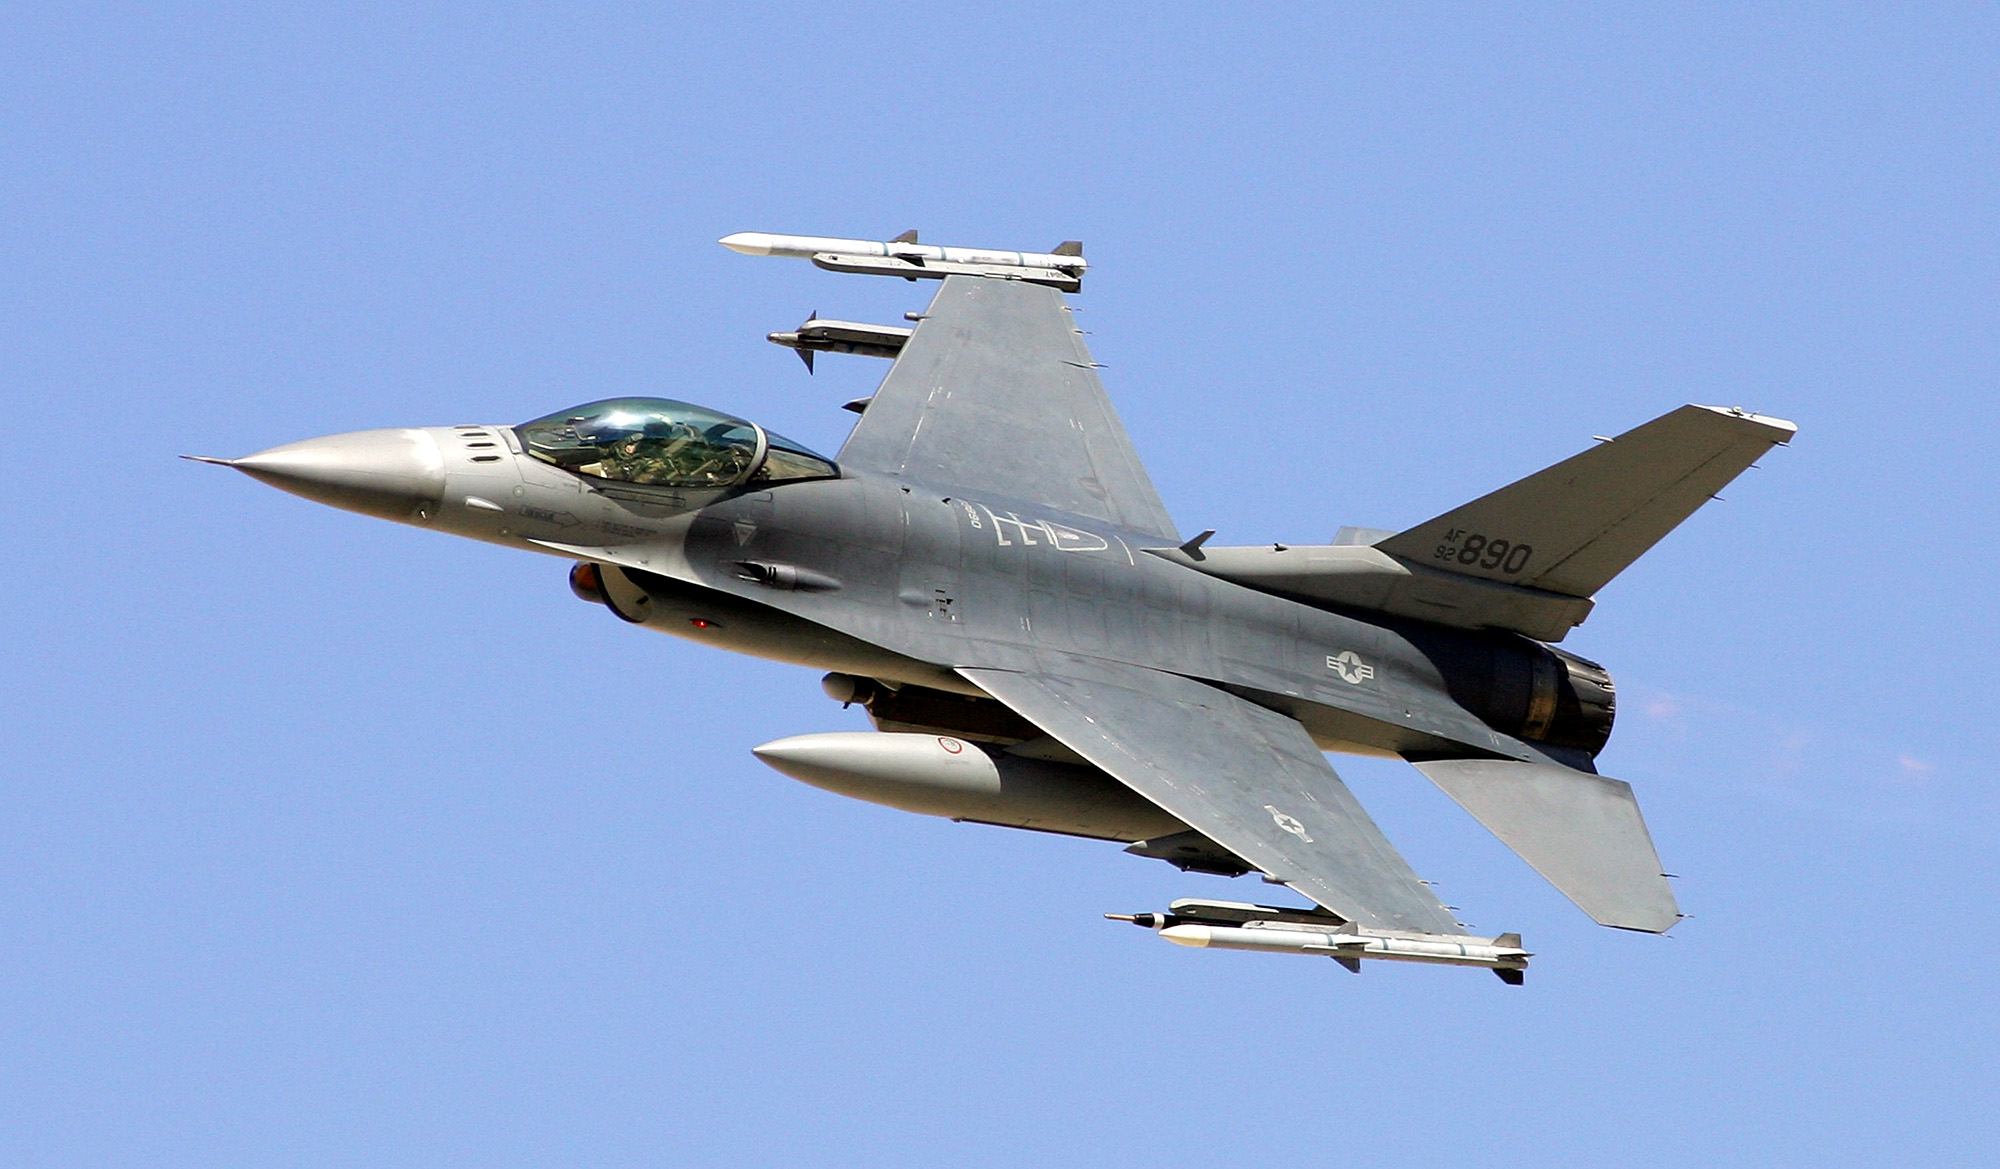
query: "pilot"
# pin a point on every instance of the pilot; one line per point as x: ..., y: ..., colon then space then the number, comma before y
x: 659, y: 455
x: 651, y: 447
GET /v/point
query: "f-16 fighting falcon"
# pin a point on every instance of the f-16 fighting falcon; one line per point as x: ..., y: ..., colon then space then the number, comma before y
x: 986, y: 568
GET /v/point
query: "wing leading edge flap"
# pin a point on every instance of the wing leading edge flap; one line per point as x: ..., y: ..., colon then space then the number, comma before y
x: 995, y: 391
x: 1581, y: 832
x: 1249, y: 778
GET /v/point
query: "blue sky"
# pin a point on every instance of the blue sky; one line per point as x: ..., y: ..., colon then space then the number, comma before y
x: 326, y: 841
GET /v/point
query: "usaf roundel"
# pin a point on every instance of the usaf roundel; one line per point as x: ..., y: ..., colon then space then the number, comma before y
x: 1350, y: 667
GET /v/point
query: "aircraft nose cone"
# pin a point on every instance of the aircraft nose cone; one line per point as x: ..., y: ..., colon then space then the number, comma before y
x: 393, y: 474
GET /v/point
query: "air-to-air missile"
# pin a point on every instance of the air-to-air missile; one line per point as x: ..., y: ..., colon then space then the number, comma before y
x: 904, y: 256
x: 818, y: 336
x: 1235, y: 925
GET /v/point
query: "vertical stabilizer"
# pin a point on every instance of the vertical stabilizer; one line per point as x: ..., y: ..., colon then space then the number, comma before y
x: 1571, y: 528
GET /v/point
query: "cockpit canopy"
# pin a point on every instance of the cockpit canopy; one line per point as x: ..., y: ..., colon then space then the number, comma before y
x: 664, y: 443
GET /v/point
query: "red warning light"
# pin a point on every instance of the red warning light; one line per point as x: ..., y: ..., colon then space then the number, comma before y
x: 699, y: 622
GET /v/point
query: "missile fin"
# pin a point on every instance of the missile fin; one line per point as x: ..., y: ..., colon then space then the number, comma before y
x: 1352, y: 963
x: 908, y: 237
x: 1069, y: 247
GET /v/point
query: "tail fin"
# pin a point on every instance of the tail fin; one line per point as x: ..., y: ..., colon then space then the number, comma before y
x: 1571, y: 528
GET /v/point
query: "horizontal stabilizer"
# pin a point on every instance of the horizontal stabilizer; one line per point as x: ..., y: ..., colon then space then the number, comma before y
x: 1582, y: 832
x: 1571, y: 528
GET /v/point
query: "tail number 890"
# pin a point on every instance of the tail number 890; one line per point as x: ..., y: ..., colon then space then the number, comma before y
x: 1475, y: 550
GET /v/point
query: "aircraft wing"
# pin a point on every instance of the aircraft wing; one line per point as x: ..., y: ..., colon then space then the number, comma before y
x: 1249, y: 778
x: 995, y: 391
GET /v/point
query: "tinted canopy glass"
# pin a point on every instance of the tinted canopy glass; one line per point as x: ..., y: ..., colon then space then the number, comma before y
x: 789, y: 460
x: 665, y: 443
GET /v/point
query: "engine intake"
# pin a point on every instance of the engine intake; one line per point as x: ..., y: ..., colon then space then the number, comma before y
x: 586, y: 580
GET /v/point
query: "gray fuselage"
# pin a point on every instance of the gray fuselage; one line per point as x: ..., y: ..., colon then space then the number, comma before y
x: 903, y: 582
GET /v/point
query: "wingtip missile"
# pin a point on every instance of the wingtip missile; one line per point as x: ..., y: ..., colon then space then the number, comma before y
x: 749, y: 243
x: 904, y: 256
x: 1274, y: 930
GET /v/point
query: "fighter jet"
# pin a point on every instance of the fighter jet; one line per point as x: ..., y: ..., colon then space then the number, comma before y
x: 986, y: 569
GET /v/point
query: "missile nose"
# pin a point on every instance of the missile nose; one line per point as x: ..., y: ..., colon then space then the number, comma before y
x: 748, y: 243
x: 393, y: 474
x: 1197, y: 936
